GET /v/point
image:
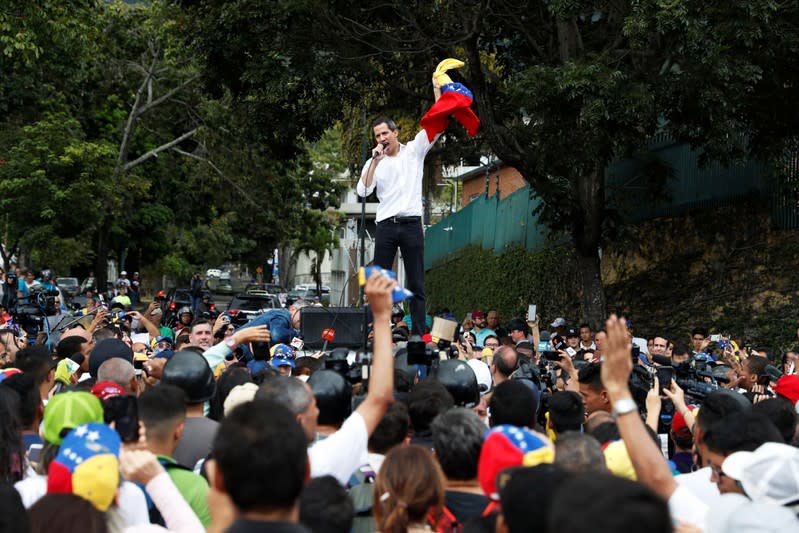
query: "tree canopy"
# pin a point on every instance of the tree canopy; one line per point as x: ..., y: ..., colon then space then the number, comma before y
x: 562, y: 87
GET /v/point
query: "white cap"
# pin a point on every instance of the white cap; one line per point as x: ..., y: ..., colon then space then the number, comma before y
x: 560, y: 321
x: 769, y: 474
x: 735, y: 513
x: 238, y: 395
x: 483, y: 374
x: 123, y: 273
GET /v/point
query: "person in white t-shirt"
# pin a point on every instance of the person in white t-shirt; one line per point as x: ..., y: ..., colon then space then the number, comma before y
x: 395, y: 171
x: 343, y: 451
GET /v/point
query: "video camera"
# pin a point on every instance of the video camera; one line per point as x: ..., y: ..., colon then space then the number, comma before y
x: 336, y: 360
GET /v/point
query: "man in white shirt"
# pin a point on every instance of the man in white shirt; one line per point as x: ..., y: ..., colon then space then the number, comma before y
x: 395, y: 170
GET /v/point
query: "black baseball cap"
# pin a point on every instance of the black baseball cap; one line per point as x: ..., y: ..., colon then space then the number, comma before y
x: 572, y: 332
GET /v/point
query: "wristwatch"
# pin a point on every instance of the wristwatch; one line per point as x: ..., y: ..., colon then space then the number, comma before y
x: 625, y: 406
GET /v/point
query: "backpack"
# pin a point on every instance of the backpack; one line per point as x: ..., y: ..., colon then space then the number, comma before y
x: 155, y: 514
x: 360, y: 488
x: 448, y: 523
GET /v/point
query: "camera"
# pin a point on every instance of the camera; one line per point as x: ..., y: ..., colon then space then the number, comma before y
x: 418, y: 352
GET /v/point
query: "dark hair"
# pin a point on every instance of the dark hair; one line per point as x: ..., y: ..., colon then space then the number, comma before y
x: 66, y: 513
x: 598, y: 496
x: 579, y: 452
x: 35, y: 360
x: 30, y: 397
x: 720, y: 404
x: 679, y: 349
x: 392, y: 429
x: 606, y: 432
x: 591, y: 375
x: 199, y: 322
x: 518, y: 324
x: 13, y: 515
x: 11, y: 449
x: 457, y: 441
x: 782, y: 414
x: 584, y: 325
x: 527, y: 496
x: 566, y: 411
x: 161, y: 409
x: 513, y: 403
x: 403, y: 382
x: 325, y: 507
x: 426, y: 401
x: 232, y: 377
x: 257, y: 443
x: 384, y: 120
x: 69, y: 345
x: 699, y: 331
x: 744, y: 433
x: 501, y: 360
x: 757, y: 365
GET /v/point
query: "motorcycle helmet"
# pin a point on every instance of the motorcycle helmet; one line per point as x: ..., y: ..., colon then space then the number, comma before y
x: 333, y: 395
x: 190, y: 371
x: 184, y: 310
x: 460, y: 380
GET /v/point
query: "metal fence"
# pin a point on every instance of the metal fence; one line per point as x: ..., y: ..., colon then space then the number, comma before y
x: 495, y: 224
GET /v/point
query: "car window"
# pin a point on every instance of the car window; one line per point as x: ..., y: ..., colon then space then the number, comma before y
x: 251, y: 304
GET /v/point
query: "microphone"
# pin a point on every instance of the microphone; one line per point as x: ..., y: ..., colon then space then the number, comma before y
x: 376, y: 153
x: 662, y: 360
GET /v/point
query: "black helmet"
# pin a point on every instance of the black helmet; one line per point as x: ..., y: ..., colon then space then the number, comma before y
x: 190, y: 371
x: 459, y: 379
x: 333, y: 396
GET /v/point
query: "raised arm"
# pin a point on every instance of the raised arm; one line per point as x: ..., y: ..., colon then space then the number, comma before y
x: 381, y: 382
x: 647, y: 459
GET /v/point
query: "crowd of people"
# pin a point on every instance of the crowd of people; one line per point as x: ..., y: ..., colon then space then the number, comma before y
x: 125, y: 424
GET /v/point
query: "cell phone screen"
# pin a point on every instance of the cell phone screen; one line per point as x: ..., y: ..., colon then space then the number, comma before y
x: 665, y: 375
x: 124, y: 412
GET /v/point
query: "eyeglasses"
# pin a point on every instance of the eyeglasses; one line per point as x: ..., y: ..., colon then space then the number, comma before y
x: 717, y: 470
x: 492, y: 345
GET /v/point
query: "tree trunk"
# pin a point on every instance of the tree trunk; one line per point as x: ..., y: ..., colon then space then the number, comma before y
x: 587, y: 234
x: 101, y: 260
x: 593, y: 293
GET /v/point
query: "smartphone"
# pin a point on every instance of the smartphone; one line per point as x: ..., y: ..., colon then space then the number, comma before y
x: 551, y: 356
x: 35, y: 453
x: 531, y: 309
x: 124, y: 412
x: 665, y: 374
x: 715, y: 338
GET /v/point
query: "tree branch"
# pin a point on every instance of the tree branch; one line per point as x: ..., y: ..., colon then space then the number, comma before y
x: 155, y: 151
x: 169, y: 94
x: 127, y: 133
x: 221, y: 174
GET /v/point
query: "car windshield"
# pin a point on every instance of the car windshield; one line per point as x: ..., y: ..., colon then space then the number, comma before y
x: 250, y: 304
x: 68, y: 281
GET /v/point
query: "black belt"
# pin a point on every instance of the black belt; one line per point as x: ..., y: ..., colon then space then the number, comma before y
x: 401, y: 220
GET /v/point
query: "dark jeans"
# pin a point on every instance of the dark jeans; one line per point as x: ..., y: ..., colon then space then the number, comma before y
x: 409, y: 238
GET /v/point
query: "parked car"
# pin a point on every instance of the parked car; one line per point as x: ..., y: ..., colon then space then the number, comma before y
x: 308, y: 293
x: 69, y: 286
x: 224, y: 287
x: 213, y: 273
x: 245, y: 307
x: 177, y: 298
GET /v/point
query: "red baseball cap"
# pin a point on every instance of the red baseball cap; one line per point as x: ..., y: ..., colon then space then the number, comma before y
x: 678, y: 425
x: 107, y: 389
x: 477, y: 313
x: 788, y: 387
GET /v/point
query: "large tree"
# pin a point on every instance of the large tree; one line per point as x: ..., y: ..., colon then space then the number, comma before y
x: 562, y: 87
